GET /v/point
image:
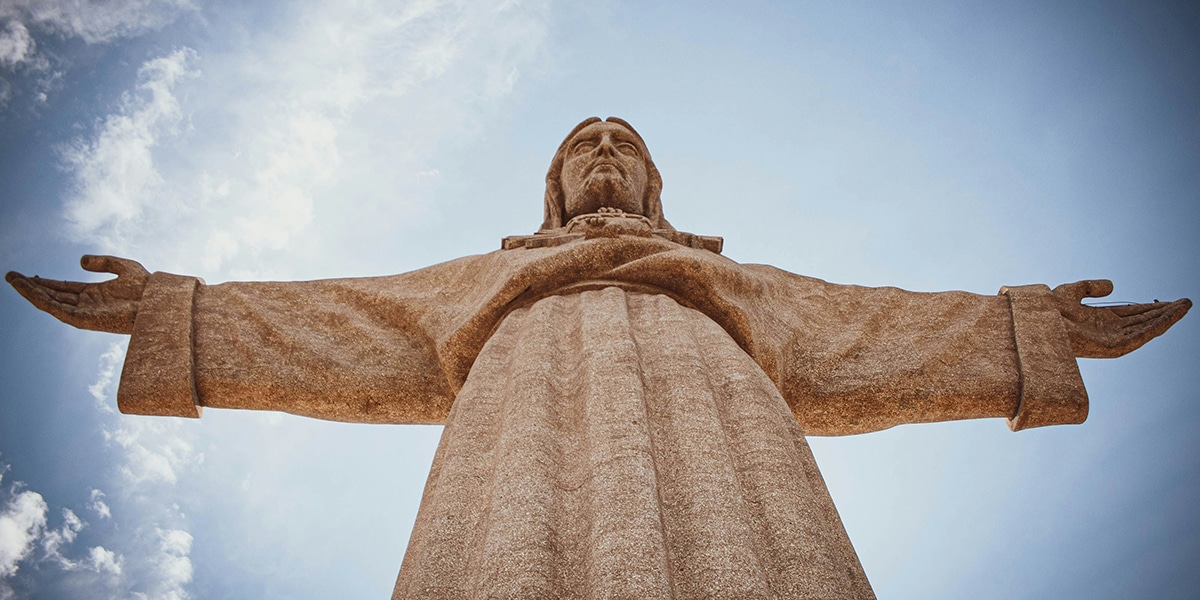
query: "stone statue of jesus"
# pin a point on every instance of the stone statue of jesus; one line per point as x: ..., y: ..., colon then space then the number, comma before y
x: 624, y: 408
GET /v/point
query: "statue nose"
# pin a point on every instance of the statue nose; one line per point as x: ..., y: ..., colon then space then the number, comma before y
x: 606, y: 147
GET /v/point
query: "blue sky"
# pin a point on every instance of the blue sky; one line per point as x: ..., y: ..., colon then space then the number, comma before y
x: 930, y: 146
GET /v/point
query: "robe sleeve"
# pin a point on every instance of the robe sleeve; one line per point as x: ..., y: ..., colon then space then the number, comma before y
x: 851, y: 359
x: 374, y: 350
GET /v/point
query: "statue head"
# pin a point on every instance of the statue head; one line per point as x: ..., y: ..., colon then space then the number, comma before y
x: 602, y: 164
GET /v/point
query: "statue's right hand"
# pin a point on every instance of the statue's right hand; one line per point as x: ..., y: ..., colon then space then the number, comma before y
x: 106, y: 306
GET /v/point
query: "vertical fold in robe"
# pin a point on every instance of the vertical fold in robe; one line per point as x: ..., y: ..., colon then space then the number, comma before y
x: 610, y: 444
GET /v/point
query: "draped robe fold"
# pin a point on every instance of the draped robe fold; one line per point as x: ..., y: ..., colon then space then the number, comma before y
x: 623, y: 416
x: 617, y: 445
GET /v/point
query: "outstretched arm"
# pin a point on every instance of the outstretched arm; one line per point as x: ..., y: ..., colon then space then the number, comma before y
x: 354, y: 349
x: 1112, y: 331
x: 852, y: 359
x: 106, y: 306
x: 388, y: 349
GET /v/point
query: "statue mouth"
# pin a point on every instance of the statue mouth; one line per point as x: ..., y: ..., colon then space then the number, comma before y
x: 605, y: 166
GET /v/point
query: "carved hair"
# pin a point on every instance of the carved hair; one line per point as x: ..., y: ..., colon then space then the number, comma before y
x: 555, y: 205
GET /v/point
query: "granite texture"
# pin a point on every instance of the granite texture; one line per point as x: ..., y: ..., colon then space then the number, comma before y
x: 160, y: 379
x: 1046, y: 359
x: 615, y: 444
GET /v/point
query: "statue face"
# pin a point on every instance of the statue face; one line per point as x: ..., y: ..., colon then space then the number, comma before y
x: 604, y: 167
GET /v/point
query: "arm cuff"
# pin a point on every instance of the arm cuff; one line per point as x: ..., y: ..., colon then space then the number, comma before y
x: 158, y: 378
x: 1052, y: 391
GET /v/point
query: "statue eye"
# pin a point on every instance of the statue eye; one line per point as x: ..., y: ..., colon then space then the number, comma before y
x: 582, y: 147
x: 627, y: 149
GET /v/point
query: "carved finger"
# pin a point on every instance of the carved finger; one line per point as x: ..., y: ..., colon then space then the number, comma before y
x: 1088, y: 288
x: 1170, y: 315
x: 122, y: 267
x: 100, y: 263
x: 1097, y: 288
x: 66, y: 298
x: 28, y: 289
x: 41, y: 298
x: 1134, y: 309
x: 1135, y: 336
x: 1154, y: 312
x: 73, y: 287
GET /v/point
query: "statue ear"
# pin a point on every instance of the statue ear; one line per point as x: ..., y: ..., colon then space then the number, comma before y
x: 653, y: 201
x: 553, y: 205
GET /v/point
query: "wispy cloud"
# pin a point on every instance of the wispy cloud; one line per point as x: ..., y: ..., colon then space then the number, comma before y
x: 19, y: 59
x: 55, y: 543
x: 153, y: 560
x: 115, y: 174
x: 26, y: 538
x: 22, y: 22
x: 98, y: 506
x: 16, y: 44
x: 95, y: 22
x: 173, y: 566
x: 55, y: 540
x: 102, y: 560
x: 144, y: 549
x: 21, y: 524
x: 345, y: 104
x: 24, y: 530
x: 154, y: 450
x: 103, y: 388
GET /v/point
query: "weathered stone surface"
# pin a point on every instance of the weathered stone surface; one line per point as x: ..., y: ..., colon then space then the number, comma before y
x: 616, y: 444
x: 1047, y: 365
x: 160, y: 378
x: 623, y: 405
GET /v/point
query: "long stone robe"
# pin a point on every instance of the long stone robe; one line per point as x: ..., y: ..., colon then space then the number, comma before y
x: 625, y: 417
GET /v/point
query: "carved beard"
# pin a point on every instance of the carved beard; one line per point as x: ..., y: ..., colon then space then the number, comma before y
x: 611, y: 192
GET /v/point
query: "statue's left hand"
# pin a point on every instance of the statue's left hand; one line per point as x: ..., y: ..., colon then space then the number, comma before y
x: 106, y: 306
x: 1112, y: 331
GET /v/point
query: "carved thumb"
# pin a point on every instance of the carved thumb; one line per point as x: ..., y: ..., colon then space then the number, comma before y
x: 122, y: 267
x: 1088, y: 288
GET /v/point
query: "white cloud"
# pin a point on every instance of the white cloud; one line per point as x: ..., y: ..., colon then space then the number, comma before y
x: 103, y: 389
x: 146, y: 552
x: 15, y: 44
x: 173, y: 567
x: 102, y: 560
x: 23, y: 528
x: 21, y: 524
x: 115, y: 175
x: 97, y: 505
x: 54, y: 540
x: 155, y: 453
x: 22, y: 22
x: 95, y: 21
x: 341, y: 107
x: 20, y: 60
